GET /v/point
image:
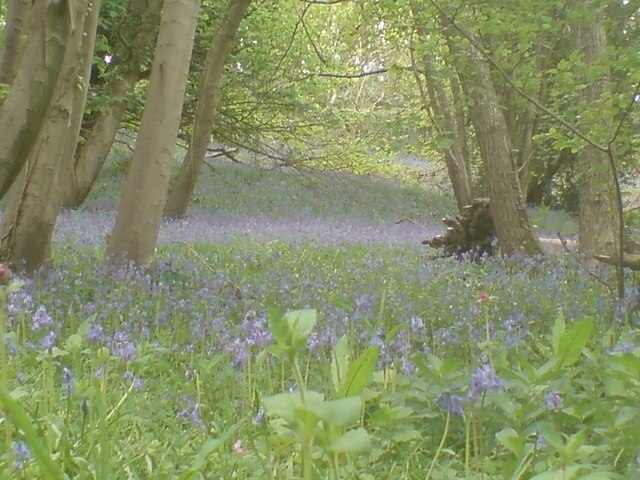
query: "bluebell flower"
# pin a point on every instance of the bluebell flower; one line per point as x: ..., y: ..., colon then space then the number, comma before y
x: 122, y: 347
x: 451, y: 403
x: 136, y: 382
x: 21, y: 453
x: 95, y: 333
x: 239, y: 352
x: 191, y: 412
x: 484, y: 379
x: 553, y: 400
x: 259, y: 417
x: 541, y: 442
x: 48, y: 341
x: 67, y: 381
x: 41, y: 319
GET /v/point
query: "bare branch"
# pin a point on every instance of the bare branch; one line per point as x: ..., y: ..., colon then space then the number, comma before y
x: 324, y: 2
x: 348, y: 75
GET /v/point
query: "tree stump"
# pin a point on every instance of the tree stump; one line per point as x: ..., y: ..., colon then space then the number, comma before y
x: 471, y: 232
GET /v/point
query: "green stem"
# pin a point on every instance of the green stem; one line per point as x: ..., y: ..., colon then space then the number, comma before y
x: 440, y: 447
x: 307, y: 463
x: 467, y: 445
x: 8, y: 426
x: 333, y: 465
x: 299, y: 378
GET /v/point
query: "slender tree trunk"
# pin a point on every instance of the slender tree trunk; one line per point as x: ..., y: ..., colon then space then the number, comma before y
x: 598, y: 216
x: 457, y: 163
x: 507, y: 209
x: 103, y: 125
x: 15, y: 30
x: 135, y: 234
x: 24, y: 111
x: 34, y: 203
x: 183, y: 184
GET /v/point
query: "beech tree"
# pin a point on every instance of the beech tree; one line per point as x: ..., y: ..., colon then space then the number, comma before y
x: 16, y: 29
x: 138, y: 32
x: 24, y: 111
x: 182, y: 186
x: 135, y: 233
x: 599, y: 216
x: 34, y: 200
x: 434, y: 96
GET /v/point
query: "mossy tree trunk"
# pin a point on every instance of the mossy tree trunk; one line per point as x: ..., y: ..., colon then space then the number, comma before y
x: 16, y: 29
x: 34, y: 200
x: 25, y: 110
x: 137, y: 225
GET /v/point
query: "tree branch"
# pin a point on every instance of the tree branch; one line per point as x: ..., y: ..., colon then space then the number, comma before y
x: 515, y: 86
x: 347, y: 75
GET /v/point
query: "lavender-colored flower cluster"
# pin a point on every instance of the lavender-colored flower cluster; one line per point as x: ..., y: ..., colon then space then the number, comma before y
x: 483, y: 380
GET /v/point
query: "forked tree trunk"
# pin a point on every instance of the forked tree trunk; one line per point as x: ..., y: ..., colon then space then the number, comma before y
x: 103, y: 125
x: 444, y: 114
x: 15, y: 30
x: 598, y: 217
x: 456, y: 161
x: 135, y: 233
x: 24, y: 111
x: 183, y: 184
x: 34, y: 203
x: 507, y: 209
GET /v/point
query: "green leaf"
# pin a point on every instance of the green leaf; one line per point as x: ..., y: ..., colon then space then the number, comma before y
x: 283, y: 405
x: 48, y: 468
x: 340, y: 362
x: 342, y: 412
x: 406, y: 436
x: 73, y: 343
x: 561, y: 474
x: 205, y: 452
x: 300, y: 323
x: 558, y: 329
x: 359, y: 374
x: 277, y: 325
x: 353, y: 441
x: 573, y: 341
x: 510, y: 439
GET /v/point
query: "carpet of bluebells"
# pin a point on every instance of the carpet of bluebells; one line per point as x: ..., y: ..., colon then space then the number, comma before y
x: 391, y: 366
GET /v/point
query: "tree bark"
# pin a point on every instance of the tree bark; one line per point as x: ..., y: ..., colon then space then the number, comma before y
x: 598, y: 216
x: 24, y: 111
x: 103, y: 124
x: 457, y: 163
x: 507, y: 209
x: 183, y: 184
x: 34, y: 200
x: 15, y: 32
x: 135, y: 233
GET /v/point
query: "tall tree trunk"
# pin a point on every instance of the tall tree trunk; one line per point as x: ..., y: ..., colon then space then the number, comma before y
x: 598, y: 216
x: 507, y: 209
x: 24, y: 111
x: 34, y: 200
x: 457, y: 163
x: 103, y: 124
x: 183, y: 184
x: 135, y: 233
x: 15, y: 30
